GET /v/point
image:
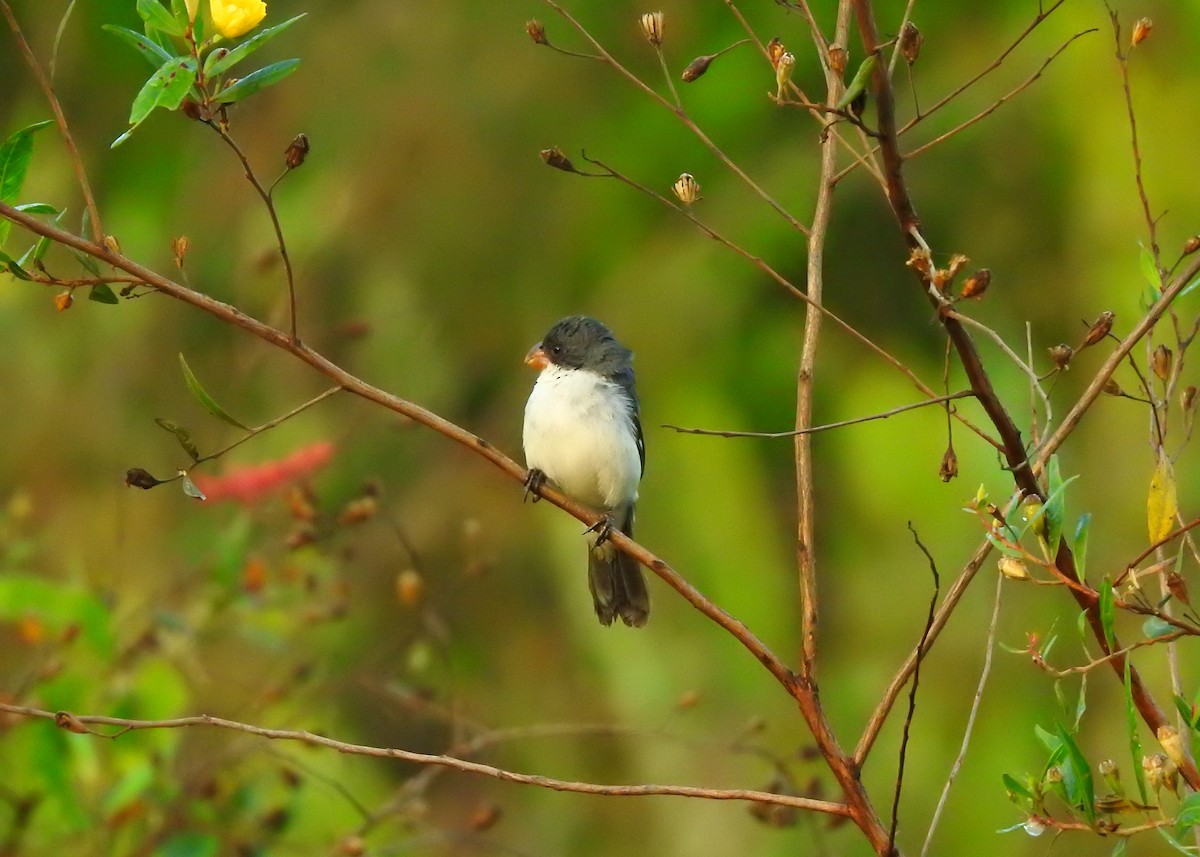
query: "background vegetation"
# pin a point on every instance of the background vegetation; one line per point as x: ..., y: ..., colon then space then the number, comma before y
x: 432, y: 248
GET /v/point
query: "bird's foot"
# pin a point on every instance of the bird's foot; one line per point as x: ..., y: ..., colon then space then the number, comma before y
x: 602, y: 528
x: 534, y: 480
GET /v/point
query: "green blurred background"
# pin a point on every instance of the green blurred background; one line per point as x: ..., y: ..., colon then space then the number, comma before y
x: 432, y: 247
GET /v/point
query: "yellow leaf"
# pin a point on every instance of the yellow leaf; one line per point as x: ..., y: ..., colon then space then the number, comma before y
x: 1162, y: 505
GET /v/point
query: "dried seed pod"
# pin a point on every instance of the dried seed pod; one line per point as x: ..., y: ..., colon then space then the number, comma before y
x: 775, y: 50
x: 63, y: 300
x: 949, y: 468
x: 554, y: 157
x: 1099, y: 329
x: 783, y: 73
x: 297, y: 151
x: 976, y: 284
x: 686, y: 188
x: 536, y: 32
x: 1112, y: 388
x: 1012, y: 568
x: 1141, y: 30
x: 1061, y: 354
x: 1177, y: 586
x: 652, y: 27
x: 1191, y: 245
x: 136, y: 477
x: 697, y: 67
x: 920, y: 262
x: 910, y: 42
x: 957, y: 262
x: 1160, y: 362
x: 179, y: 248
x: 838, y: 58
x: 1188, y: 398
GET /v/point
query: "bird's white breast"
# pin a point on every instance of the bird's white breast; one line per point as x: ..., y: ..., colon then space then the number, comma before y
x: 579, y: 432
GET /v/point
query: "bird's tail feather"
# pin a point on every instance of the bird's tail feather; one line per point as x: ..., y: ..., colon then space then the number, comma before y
x: 616, y: 582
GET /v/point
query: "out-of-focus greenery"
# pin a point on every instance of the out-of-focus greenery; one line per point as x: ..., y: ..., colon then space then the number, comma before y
x: 432, y: 248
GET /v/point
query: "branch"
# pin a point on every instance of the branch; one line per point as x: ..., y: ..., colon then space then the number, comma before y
x: 79, y: 722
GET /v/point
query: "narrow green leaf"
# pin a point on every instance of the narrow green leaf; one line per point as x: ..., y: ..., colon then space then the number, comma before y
x: 1185, y: 711
x: 257, y: 80
x: 1190, y: 287
x: 1107, y: 612
x: 221, y: 60
x: 1081, y: 703
x: 189, y: 488
x: 1049, y: 740
x: 1077, y: 776
x: 102, y: 294
x: 166, y: 88
x: 15, y: 154
x: 1002, y: 547
x: 207, y: 401
x: 1188, y: 815
x: 1119, y: 849
x: 36, y: 208
x: 182, y: 435
x: 859, y: 82
x: 1150, y: 270
x: 1081, y: 542
x: 156, y: 15
x: 1015, y: 788
x: 1056, y: 504
x: 17, y: 271
x: 88, y: 263
x: 150, y: 51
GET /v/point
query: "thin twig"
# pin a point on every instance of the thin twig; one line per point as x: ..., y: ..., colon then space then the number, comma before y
x: 1167, y: 539
x: 73, y: 721
x: 47, y: 87
x: 966, y: 741
x: 964, y: 394
x: 1099, y: 662
x: 1034, y: 381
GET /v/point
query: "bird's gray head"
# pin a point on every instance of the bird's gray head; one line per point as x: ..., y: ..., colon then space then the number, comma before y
x: 580, y: 342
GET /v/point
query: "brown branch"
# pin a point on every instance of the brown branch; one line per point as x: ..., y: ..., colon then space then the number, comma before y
x: 772, y: 435
x: 59, y: 117
x: 1167, y: 539
x: 74, y: 722
x: 1097, y: 662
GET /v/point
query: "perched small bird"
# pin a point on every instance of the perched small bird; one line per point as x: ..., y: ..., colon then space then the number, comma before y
x: 582, y: 432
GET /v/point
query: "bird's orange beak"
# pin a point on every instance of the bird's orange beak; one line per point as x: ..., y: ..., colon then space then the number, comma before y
x: 537, y: 358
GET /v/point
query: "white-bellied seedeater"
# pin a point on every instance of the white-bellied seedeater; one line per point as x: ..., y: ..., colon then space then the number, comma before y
x: 583, y: 434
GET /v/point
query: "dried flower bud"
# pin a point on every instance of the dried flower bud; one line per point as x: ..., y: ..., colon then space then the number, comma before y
x: 1188, y: 399
x: 190, y: 109
x: 838, y: 57
x: 68, y: 721
x: 1099, y: 329
x: 910, y: 42
x: 1177, y: 586
x: 919, y: 261
x: 555, y: 158
x: 976, y: 284
x: 686, y: 188
x: 63, y: 300
x: 112, y: 245
x: 697, y: 67
x: 783, y: 72
x: 1191, y: 245
x: 410, y: 587
x: 1054, y: 775
x: 1111, y: 773
x: 1172, y: 744
x: 652, y: 28
x: 535, y: 31
x: 1152, y: 767
x: 949, y: 468
x: 775, y: 50
x: 1060, y: 355
x: 1160, y: 362
x: 297, y: 151
x: 1140, y: 31
x: 179, y: 248
x: 957, y: 262
x: 1112, y: 388
x: 136, y: 477
x: 1012, y: 568
x: 358, y: 510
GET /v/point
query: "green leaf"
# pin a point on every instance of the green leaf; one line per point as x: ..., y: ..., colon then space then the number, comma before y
x: 207, y: 401
x: 1155, y: 627
x: 1119, y: 849
x: 1015, y: 788
x: 166, y: 88
x: 36, y: 208
x: 156, y: 15
x: 859, y: 82
x: 102, y: 294
x: 1190, y: 717
x: 1107, y: 612
x: 1135, y: 743
x: 1081, y: 703
x: 1190, y: 287
x: 1188, y: 814
x: 1002, y: 547
x: 257, y: 80
x: 88, y: 263
x: 15, y: 154
x: 1077, y: 776
x: 152, y: 53
x: 189, y: 488
x: 182, y: 435
x: 1150, y: 270
x: 1056, y: 504
x: 17, y: 271
x: 1081, y: 542
x: 220, y: 61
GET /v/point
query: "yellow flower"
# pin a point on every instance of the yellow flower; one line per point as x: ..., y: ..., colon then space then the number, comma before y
x: 234, y: 18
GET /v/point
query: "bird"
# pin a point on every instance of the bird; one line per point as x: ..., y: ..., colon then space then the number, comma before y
x: 583, y: 433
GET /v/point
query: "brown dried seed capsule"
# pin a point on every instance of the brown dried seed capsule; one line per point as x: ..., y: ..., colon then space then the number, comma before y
x: 697, y: 67
x: 1191, y: 245
x: 1112, y: 388
x: 63, y: 300
x: 535, y: 31
x: 1012, y: 568
x: 783, y: 72
x: 686, y: 188
x: 919, y: 261
x: 949, y: 468
x: 179, y: 248
x: 1099, y: 329
x: 554, y: 157
x: 957, y: 262
x: 652, y: 27
x: 1160, y: 362
x: 1141, y: 30
x: 297, y: 151
x: 1189, y: 397
x: 1060, y: 355
x: 1177, y: 586
x: 136, y: 477
x: 775, y: 50
x: 976, y: 284
x: 910, y: 42
x: 838, y: 57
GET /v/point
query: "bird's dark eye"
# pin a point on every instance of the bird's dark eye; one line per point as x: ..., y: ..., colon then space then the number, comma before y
x: 556, y: 349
